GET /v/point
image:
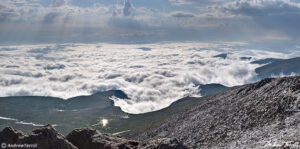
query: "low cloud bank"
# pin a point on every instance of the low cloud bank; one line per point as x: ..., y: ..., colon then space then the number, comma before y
x: 152, y: 79
x: 22, y: 122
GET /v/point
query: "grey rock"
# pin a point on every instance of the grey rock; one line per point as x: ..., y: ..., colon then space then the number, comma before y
x: 42, y: 138
x: 86, y: 138
x: 47, y: 137
x: 92, y: 139
x: 164, y: 143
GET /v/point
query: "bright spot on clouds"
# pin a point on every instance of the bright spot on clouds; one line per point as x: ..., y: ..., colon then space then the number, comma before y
x: 152, y: 78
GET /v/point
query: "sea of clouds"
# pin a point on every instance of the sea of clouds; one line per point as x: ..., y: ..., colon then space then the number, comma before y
x: 152, y: 75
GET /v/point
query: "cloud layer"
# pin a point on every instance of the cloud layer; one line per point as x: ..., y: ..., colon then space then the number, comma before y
x: 152, y: 75
x: 53, y: 21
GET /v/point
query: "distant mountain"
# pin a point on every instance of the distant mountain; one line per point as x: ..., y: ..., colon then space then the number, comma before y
x: 245, y: 58
x: 223, y: 55
x: 210, y: 89
x: 278, y: 67
x: 266, y: 61
x: 265, y: 114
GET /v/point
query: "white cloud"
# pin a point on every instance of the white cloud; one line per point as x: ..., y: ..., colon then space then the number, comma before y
x: 260, y: 7
x: 152, y: 78
x: 58, y: 3
x: 216, y: 20
x: 57, y: 12
x: 180, y: 2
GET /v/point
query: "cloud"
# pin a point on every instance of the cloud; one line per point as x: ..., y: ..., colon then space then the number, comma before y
x: 280, y: 15
x: 52, y: 17
x: 7, y: 14
x: 55, y: 66
x: 182, y: 15
x: 125, y: 23
x: 127, y: 8
x: 8, y: 49
x: 179, y: 2
x: 19, y: 11
x: 260, y: 8
x: 10, y: 82
x: 22, y: 122
x: 59, y: 11
x: 65, y: 78
x: 21, y: 73
x: 152, y: 79
x: 197, y: 3
x: 58, y: 3
x: 145, y: 48
x: 273, y: 36
x: 217, y: 20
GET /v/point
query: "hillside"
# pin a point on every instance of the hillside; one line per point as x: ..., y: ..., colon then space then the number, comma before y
x: 28, y: 113
x: 279, y: 67
x: 210, y: 89
x: 265, y: 114
x: 266, y: 61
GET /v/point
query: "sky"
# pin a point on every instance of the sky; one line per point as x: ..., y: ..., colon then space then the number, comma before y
x: 269, y: 23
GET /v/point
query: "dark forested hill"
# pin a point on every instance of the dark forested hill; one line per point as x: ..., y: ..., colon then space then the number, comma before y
x: 280, y: 67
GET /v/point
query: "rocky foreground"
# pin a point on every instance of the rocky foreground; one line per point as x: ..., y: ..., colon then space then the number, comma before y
x: 48, y: 138
x: 265, y: 114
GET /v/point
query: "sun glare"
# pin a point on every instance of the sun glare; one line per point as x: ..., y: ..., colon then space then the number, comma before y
x: 104, y: 122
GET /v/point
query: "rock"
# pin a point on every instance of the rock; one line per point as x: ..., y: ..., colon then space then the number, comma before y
x: 9, y: 135
x: 93, y: 139
x: 165, y: 143
x: 47, y: 137
x: 44, y: 138
x: 86, y: 138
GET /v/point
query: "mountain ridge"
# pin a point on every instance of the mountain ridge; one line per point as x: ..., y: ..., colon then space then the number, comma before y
x: 238, y: 117
x: 279, y: 67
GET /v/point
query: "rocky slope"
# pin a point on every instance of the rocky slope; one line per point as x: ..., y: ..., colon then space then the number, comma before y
x: 265, y: 114
x: 48, y: 138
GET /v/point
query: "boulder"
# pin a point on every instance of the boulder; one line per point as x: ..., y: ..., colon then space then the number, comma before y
x: 45, y: 138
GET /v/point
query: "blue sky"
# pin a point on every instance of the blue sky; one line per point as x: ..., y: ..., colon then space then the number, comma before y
x: 264, y: 22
